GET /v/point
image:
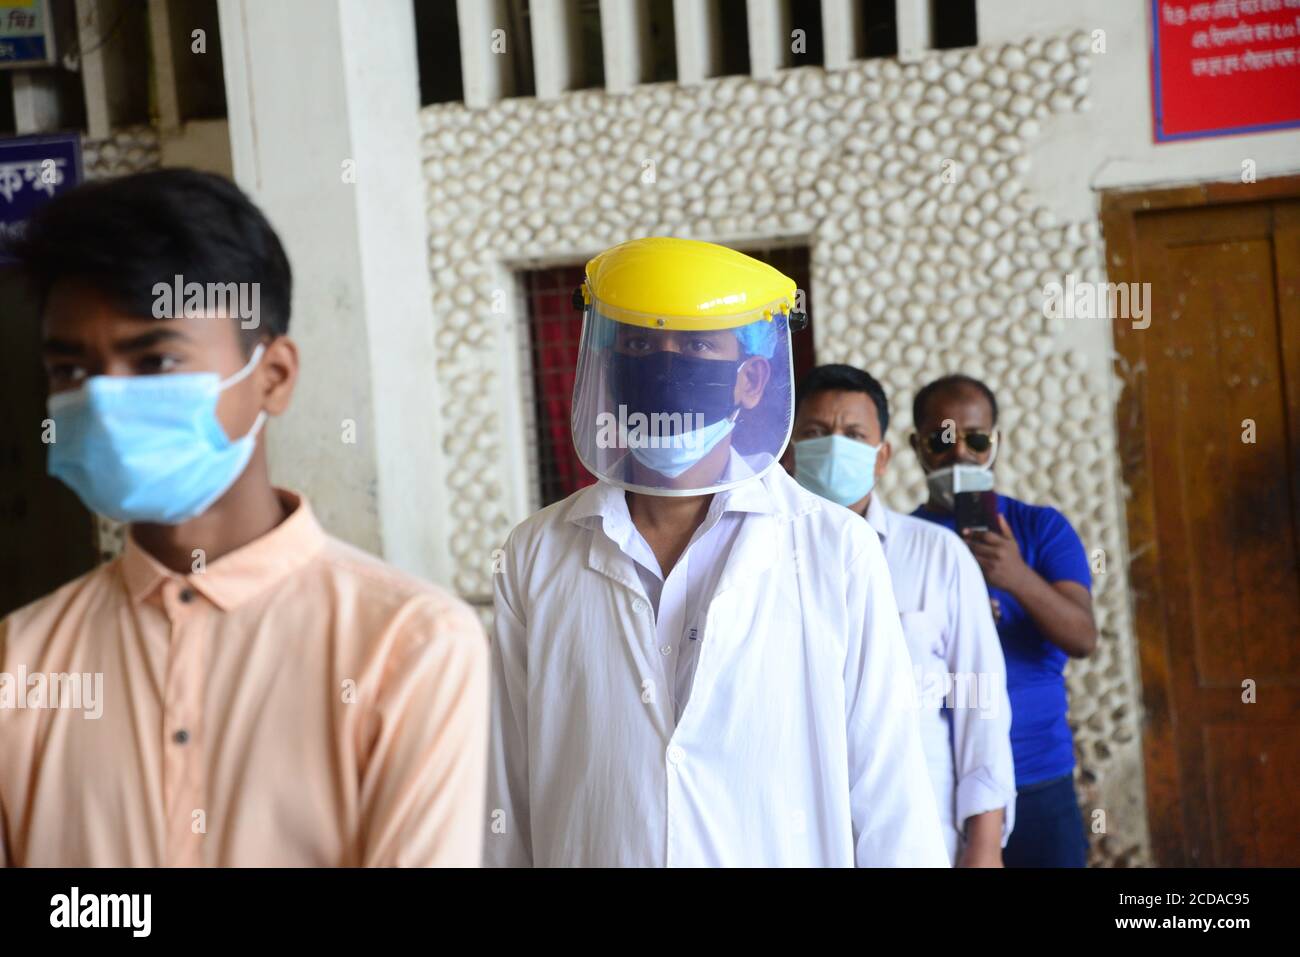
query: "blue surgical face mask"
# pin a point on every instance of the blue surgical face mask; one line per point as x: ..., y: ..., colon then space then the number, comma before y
x: 149, y: 448
x: 676, y: 453
x: 842, y: 470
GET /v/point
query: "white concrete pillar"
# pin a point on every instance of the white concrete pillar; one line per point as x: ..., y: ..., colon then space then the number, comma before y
x: 93, y: 79
x: 841, y: 32
x: 915, y: 34
x: 769, y: 36
x: 323, y: 100
x: 36, y: 102
x: 625, y: 42
x: 110, y: 67
x: 557, y: 47
x: 164, y: 65
x: 698, y: 30
x: 486, y: 48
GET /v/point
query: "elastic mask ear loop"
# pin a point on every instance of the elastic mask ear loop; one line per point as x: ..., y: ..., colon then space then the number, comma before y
x: 735, y: 413
x: 926, y: 468
x: 245, y: 372
x: 239, y: 377
x: 257, y: 425
x: 997, y: 444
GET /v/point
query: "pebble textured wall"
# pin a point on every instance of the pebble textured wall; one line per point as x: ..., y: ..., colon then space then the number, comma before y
x: 914, y: 274
x: 132, y: 149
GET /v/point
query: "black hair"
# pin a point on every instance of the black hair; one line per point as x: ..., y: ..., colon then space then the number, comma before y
x: 842, y: 378
x: 122, y: 236
x: 951, y: 383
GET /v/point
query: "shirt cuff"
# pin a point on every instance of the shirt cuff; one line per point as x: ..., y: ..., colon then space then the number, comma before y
x: 978, y: 792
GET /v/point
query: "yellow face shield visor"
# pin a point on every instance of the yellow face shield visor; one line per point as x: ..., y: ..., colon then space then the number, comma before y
x: 684, y: 381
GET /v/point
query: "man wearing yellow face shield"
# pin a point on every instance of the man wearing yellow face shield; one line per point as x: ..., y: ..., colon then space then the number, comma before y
x: 678, y: 396
x: 696, y: 662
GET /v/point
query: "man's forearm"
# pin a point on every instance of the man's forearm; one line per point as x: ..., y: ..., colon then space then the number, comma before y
x: 1061, y: 621
x: 982, y: 844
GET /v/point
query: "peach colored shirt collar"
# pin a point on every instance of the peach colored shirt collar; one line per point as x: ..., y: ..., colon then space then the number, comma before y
x: 237, y: 576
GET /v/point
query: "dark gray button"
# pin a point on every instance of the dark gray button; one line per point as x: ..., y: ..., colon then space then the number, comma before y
x: 187, y: 595
x: 181, y: 736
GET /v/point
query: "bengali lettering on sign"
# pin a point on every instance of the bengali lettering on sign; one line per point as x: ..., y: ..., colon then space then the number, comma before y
x: 1224, y: 66
x: 25, y: 33
x: 33, y: 170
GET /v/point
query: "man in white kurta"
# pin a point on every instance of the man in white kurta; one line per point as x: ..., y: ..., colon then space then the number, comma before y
x: 696, y: 662
x: 838, y: 452
x: 756, y: 708
x: 960, y: 673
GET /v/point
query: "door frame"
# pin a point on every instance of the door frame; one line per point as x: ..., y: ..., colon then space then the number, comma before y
x: 1120, y: 209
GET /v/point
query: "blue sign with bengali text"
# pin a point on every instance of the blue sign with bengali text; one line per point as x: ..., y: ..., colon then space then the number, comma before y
x: 33, y: 170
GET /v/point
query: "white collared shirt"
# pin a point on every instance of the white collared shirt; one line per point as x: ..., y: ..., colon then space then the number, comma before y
x: 680, y: 599
x: 957, y: 661
x: 797, y: 744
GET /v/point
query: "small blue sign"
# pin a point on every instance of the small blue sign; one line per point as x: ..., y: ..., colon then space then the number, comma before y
x: 33, y: 170
x: 25, y: 33
x: 20, y: 50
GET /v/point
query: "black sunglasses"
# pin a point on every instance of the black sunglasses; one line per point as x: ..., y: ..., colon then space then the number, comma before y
x: 938, y: 441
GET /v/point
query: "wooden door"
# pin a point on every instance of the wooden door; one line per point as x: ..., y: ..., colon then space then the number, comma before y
x: 1210, y: 436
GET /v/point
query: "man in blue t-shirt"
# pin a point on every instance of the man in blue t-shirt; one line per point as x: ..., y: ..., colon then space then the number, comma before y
x: 1039, y: 583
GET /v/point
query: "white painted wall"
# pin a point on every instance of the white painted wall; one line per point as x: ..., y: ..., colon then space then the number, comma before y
x: 318, y: 90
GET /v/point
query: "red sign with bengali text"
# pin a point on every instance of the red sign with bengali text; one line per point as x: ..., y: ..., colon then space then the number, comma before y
x: 1224, y: 66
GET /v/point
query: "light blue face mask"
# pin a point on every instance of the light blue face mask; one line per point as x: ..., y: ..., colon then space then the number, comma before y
x: 834, y: 467
x: 149, y: 448
x: 677, y: 453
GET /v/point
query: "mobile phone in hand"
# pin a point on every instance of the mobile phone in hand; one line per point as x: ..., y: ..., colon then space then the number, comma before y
x: 977, y: 511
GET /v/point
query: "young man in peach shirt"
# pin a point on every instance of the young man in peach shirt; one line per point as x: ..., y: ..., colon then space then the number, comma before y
x: 268, y: 695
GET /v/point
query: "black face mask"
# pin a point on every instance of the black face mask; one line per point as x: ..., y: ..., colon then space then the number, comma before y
x: 670, y: 382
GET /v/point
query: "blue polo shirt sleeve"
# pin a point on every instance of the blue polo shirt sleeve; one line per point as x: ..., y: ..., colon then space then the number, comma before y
x: 1060, y: 553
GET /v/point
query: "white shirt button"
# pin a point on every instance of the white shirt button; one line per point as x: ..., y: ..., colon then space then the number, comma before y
x: 676, y: 755
x: 639, y: 606
x: 666, y: 650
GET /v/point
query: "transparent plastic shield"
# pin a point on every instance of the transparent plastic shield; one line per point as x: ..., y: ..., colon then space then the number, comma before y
x: 682, y: 411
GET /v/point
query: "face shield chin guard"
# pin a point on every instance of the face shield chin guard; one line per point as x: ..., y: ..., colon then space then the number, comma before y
x: 682, y: 406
